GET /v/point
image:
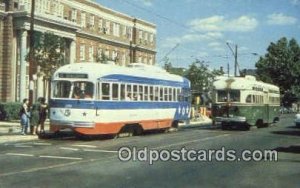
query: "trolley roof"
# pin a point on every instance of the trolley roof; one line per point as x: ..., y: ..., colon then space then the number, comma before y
x: 243, y: 83
x: 96, y: 71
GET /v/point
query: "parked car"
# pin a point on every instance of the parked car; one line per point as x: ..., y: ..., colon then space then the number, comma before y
x: 297, y: 120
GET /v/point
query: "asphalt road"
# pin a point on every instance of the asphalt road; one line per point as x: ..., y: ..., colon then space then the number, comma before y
x: 67, y: 161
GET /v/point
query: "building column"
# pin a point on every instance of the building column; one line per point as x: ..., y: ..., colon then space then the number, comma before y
x: 23, y: 68
x: 72, y: 51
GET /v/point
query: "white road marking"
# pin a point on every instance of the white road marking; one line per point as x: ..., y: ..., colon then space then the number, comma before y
x: 20, y: 154
x: 191, y: 141
x: 23, y: 146
x: 67, y: 148
x: 60, y: 157
x: 84, y: 146
x: 100, y: 150
x: 42, y: 144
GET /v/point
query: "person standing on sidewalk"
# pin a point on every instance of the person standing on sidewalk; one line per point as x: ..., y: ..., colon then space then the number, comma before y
x: 24, y: 115
x: 34, y: 118
x: 43, y: 107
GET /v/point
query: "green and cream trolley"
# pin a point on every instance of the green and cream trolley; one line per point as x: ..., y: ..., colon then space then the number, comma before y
x: 244, y: 102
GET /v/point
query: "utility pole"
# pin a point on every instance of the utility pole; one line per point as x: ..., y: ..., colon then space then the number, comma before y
x: 234, y: 53
x: 32, y: 66
x: 235, y: 61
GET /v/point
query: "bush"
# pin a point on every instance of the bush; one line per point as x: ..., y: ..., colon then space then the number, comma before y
x: 10, y: 111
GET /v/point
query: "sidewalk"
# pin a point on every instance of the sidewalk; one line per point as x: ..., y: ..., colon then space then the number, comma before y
x: 11, y: 132
x: 200, y: 121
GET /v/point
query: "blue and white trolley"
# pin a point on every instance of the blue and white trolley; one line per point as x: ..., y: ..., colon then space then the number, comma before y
x: 94, y: 98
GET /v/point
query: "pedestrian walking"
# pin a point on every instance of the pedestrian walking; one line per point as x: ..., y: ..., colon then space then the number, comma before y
x: 43, y: 107
x: 24, y: 116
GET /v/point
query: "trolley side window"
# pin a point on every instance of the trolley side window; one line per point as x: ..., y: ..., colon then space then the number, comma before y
x: 115, y: 91
x: 146, y: 93
x: 151, y: 93
x: 141, y: 93
x: 123, y: 91
x: 129, y: 92
x: 166, y: 94
x: 105, y: 91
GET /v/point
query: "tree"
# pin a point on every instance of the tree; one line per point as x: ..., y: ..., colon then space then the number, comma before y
x: 49, y: 54
x: 202, y: 78
x: 173, y: 70
x: 281, y: 66
x: 199, y: 75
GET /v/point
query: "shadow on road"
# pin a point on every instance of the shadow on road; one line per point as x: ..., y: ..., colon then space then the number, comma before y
x: 290, y: 149
x: 290, y: 132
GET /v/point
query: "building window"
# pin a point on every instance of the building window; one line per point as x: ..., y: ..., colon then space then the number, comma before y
x: 146, y: 37
x: 140, y: 36
x: 25, y: 4
x: 116, y: 29
x: 123, y: 59
x: 129, y: 33
x: 151, y: 61
x: 151, y: 38
x: 99, y: 53
x: 82, y: 53
x: 114, y: 55
x: 92, y: 21
x: 38, y: 6
x: 100, y: 25
x: 91, y: 53
x: 107, y: 27
x: 61, y: 10
x: 74, y: 15
x: 124, y: 32
x: 83, y: 20
x: 47, y: 6
x: 106, y: 53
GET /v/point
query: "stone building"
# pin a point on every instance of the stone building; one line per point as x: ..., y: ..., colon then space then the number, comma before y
x: 88, y: 28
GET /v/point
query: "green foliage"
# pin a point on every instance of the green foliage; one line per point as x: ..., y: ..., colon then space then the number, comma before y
x: 10, y: 111
x: 49, y: 52
x: 281, y: 66
x: 173, y: 70
x: 201, y: 76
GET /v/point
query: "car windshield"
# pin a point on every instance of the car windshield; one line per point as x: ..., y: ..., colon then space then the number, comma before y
x: 75, y: 90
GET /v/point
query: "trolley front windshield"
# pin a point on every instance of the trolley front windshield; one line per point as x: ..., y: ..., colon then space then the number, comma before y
x: 74, y: 90
x: 229, y: 96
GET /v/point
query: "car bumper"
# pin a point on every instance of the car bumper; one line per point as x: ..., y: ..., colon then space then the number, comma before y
x: 72, y: 124
x: 235, y: 119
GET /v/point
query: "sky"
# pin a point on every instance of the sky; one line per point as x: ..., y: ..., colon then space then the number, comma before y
x: 204, y: 29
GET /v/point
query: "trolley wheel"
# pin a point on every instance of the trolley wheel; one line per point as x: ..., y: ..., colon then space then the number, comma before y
x: 175, y: 124
x: 259, y: 123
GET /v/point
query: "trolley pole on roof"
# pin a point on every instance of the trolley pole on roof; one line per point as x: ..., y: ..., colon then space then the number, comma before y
x: 32, y: 65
